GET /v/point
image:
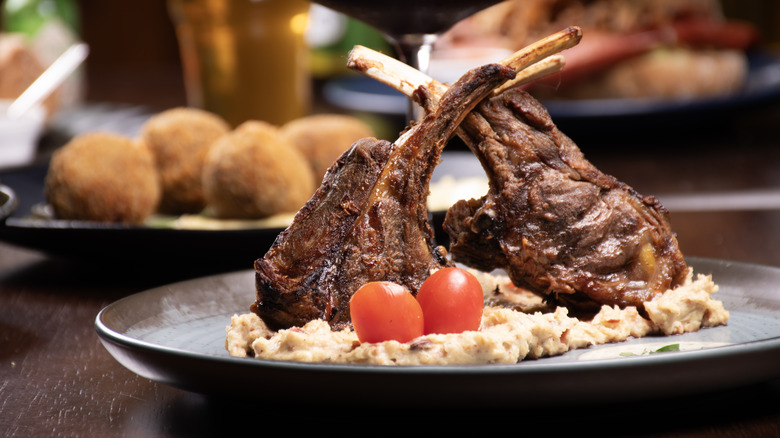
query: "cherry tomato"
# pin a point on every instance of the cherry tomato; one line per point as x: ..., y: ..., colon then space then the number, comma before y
x: 383, y: 311
x: 451, y: 301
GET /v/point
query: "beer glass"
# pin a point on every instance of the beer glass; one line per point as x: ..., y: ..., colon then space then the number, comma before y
x: 244, y: 59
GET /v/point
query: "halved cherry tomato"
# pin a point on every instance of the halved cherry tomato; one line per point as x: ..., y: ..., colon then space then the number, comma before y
x: 383, y: 311
x: 451, y: 301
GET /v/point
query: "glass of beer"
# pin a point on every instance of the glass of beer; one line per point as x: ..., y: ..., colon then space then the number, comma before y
x: 244, y: 59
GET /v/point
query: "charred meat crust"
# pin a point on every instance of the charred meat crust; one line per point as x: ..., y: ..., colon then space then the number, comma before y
x: 555, y: 222
x: 286, y: 278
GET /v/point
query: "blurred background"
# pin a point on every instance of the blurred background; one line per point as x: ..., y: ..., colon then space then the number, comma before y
x: 135, y: 69
x: 135, y: 59
x: 134, y: 56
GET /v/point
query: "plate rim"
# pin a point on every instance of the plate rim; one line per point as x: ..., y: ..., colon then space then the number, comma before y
x: 113, y: 339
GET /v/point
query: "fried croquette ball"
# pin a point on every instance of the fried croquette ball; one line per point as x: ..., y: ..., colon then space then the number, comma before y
x: 179, y: 139
x: 322, y: 138
x: 253, y: 172
x: 102, y: 177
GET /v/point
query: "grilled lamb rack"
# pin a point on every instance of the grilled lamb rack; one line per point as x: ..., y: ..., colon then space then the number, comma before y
x: 368, y: 219
x: 551, y: 219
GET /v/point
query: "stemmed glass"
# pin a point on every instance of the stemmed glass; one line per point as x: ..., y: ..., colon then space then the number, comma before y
x: 412, y: 26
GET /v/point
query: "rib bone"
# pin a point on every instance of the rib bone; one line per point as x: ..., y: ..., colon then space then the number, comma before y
x: 525, y: 62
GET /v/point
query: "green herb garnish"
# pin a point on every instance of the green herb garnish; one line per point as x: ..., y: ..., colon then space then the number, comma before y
x: 664, y: 349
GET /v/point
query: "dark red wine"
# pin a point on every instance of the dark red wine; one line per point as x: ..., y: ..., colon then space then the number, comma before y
x: 403, y: 17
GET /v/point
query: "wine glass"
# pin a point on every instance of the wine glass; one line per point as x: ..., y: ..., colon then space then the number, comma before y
x: 412, y: 26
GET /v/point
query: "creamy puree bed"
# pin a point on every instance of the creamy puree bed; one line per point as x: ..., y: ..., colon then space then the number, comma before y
x: 527, y: 330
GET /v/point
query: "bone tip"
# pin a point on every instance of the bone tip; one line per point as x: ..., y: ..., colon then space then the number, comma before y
x: 575, y: 31
x: 354, y: 53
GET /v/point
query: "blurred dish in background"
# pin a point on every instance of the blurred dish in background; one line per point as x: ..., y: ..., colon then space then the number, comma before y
x: 762, y: 86
x: 19, y: 67
x: 198, y: 239
x: 630, y: 49
x: 23, y: 118
x: 627, y: 68
x: 35, y: 34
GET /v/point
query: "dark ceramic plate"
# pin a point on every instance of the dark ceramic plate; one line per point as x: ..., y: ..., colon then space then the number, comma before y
x: 22, y: 193
x: 175, y: 335
x: 103, y: 241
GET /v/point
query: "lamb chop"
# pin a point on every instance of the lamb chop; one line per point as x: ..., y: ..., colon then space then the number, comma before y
x: 368, y: 219
x: 551, y: 219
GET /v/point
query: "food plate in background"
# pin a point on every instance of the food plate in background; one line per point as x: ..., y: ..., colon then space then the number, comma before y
x: 175, y: 335
x: 115, y: 242
x: 592, y: 115
x: 202, y: 241
x: 762, y: 87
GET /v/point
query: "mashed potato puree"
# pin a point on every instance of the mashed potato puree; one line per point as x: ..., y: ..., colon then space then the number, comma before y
x: 516, y: 325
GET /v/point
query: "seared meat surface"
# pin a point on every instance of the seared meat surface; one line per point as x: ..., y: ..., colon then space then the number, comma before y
x: 367, y: 221
x: 552, y: 220
x: 289, y: 275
